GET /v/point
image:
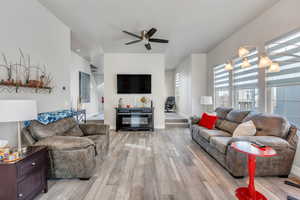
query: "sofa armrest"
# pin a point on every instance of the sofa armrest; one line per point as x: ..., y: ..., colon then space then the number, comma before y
x: 279, y: 165
x: 94, y: 129
x: 65, y: 143
x: 271, y: 141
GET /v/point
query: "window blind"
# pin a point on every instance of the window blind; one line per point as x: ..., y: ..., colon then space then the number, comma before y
x: 221, y: 77
x: 280, y: 50
x: 246, y: 77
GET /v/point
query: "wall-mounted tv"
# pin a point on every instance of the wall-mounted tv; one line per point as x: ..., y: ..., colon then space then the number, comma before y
x: 134, y: 83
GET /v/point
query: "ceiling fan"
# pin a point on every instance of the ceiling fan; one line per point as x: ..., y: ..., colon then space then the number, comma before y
x: 146, y: 37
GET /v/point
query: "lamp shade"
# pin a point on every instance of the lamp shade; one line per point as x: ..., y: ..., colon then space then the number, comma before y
x: 206, y: 100
x: 17, y: 110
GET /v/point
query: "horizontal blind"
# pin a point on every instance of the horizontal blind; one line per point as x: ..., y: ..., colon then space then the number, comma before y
x: 246, y: 77
x: 280, y: 50
x: 221, y: 77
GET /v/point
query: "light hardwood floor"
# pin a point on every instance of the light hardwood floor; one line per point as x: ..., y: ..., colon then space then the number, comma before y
x: 163, y: 165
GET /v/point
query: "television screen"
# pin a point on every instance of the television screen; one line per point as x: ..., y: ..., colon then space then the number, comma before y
x: 134, y: 83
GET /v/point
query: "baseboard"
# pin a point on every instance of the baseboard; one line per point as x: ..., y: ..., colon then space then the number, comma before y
x: 296, y: 171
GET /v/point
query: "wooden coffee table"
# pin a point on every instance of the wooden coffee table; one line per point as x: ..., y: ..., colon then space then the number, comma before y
x: 253, y: 151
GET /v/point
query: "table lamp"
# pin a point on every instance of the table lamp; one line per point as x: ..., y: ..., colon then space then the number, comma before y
x: 206, y: 101
x: 18, y: 111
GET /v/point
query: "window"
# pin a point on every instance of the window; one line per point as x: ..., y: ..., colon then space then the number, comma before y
x: 245, y: 83
x: 221, y: 86
x: 285, y: 101
x: 284, y: 86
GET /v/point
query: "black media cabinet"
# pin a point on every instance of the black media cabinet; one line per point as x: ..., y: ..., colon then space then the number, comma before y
x: 135, y: 119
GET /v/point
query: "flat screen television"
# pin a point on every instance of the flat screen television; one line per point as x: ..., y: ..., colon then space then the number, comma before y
x: 134, y: 83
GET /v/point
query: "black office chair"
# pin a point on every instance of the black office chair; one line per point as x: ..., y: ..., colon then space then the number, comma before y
x: 170, y: 105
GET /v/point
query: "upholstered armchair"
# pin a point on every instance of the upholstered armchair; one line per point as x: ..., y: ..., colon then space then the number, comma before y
x: 73, y: 148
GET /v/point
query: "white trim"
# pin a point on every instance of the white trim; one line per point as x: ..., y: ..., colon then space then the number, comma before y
x: 295, y: 171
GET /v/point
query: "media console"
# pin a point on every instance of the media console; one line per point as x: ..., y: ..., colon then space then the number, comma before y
x: 135, y: 119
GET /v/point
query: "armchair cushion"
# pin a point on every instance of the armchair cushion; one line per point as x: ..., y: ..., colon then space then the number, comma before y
x: 40, y: 131
x: 65, y: 142
x: 75, y: 131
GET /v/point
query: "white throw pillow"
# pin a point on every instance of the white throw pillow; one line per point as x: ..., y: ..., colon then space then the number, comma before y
x: 245, y: 129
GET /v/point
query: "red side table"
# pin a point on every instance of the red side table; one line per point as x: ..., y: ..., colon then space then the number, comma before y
x: 253, y: 151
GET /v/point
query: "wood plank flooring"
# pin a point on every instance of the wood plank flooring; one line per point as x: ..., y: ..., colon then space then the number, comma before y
x: 163, y: 165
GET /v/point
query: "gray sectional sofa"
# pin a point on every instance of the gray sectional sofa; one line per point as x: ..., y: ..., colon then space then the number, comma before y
x: 72, y: 147
x: 271, y: 130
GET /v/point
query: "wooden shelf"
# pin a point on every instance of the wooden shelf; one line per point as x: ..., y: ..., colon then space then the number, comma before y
x: 17, y: 87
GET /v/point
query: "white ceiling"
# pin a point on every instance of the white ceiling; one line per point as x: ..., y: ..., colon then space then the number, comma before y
x: 192, y: 26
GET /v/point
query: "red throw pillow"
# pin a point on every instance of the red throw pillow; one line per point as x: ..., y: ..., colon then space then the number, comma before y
x: 208, y: 121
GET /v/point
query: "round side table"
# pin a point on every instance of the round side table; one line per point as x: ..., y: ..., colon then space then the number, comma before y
x: 252, y: 151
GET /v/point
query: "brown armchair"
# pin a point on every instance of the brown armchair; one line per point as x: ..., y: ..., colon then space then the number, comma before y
x: 72, y: 148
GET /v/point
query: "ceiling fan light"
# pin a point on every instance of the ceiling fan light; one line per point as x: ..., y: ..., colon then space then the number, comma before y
x: 246, y: 63
x: 243, y: 52
x: 264, y: 61
x: 229, y: 66
x: 274, y: 67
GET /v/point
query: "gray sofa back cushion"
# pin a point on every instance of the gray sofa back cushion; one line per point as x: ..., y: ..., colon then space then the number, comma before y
x: 270, y: 125
x: 222, y: 112
x: 236, y: 116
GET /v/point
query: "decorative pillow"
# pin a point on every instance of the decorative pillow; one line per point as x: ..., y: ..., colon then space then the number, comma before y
x: 245, y: 129
x: 75, y: 131
x: 40, y: 131
x: 208, y: 121
x: 228, y: 126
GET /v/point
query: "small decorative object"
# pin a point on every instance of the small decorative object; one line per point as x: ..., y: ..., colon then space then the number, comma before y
x: 24, y: 74
x: 144, y: 101
x: 120, y: 105
x: 128, y: 106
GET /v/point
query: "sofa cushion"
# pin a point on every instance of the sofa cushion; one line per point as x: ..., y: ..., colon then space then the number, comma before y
x: 220, y: 143
x: 228, y: 126
x: 207, y: 134
x: 39, y: 131
x: 236, y: 116
x: 65, y: 142
x: 62, y: 126
x: 270, y: 125
x: 75, y: 131
x: 222, y: 112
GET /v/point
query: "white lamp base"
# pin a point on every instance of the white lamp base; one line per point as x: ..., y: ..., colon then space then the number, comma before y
x: 19, y: 138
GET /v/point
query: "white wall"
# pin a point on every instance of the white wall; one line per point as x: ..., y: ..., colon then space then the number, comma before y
x: 78, y: 64
x: 193, y: 72
x: 29, y: 26
x: 134, y: 64
x: 170, y: 82
x: 276, y: 21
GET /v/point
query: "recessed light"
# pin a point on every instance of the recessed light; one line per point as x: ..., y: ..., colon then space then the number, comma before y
x: 78, y: 50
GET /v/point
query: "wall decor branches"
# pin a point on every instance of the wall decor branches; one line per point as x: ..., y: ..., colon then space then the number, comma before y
x: 24, y: 74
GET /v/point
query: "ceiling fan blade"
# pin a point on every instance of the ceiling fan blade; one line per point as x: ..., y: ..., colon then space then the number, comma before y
x: 132, y: 42
x: 151, y: 32
x: 148, y: 46
x: 158, y: 40
x: 132, y: 34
